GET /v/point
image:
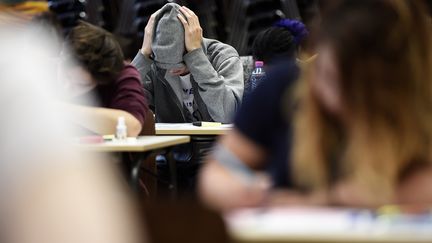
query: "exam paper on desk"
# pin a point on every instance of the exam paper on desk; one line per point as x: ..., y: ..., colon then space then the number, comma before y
x: 300, y: 221
x: 187, y: 125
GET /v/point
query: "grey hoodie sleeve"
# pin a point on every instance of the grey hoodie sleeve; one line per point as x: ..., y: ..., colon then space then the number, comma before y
x: 143, y: 64
x: 220, y: 85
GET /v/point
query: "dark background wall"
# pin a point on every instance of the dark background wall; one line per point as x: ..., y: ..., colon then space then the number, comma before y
x: 235, y: 22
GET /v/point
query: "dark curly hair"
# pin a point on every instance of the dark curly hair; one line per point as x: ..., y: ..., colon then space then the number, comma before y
x: 279, y: 41
x: 97, y: 51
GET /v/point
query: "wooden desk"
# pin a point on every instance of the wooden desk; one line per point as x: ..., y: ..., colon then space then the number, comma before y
x: 238, y: 237
x: 141, y: 144
x: 144, y: 146
x: 189, y: 129
x: 315, y: 225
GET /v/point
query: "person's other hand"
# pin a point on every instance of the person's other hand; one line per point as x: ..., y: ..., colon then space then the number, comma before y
x: 146, y: 49
x: 193, y: 30
x: 352, y: 193
x: 291, y: 197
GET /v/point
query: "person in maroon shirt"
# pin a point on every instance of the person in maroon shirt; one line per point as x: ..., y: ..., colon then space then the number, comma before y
x: 101, y: 86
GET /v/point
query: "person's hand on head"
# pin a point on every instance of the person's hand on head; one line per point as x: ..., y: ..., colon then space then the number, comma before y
x: 193, y: 30
x: 146, y: 49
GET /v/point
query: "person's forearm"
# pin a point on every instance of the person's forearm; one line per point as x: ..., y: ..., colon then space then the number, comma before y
x: 223, y: 184
x: 103, y: 120
x: 219, y: 189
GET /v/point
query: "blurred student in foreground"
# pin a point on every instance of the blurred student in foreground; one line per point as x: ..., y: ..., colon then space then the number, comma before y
x: 358, y: 133
x: 93, y: 67
x: 24, y: 10
x: 51, y: 192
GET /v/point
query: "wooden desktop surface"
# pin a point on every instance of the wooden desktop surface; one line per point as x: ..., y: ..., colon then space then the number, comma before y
x: 251, y: 237
x: 324, y: 225
x: 140, y: 144
x: 189, y: 129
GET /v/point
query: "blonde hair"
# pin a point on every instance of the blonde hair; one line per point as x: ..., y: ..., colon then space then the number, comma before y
x: 384, y: 56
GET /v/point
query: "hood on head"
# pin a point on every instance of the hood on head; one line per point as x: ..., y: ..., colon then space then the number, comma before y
x: 168, y: 42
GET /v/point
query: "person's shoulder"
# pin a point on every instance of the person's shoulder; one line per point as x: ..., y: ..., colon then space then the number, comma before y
x: 129, y: 72
x: 216, y: 49
x: 284, y: 70
x: 128, y: 77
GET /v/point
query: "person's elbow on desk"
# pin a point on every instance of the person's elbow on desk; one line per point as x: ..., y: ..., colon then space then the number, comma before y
x: 103, y: 120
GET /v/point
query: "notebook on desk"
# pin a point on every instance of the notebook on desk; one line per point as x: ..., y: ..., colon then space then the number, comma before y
x: 186, y: 125
x: 326, y: 224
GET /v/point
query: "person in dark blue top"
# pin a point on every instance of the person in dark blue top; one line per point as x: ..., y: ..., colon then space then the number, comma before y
x: 263, y: 119
x: 263, y: 125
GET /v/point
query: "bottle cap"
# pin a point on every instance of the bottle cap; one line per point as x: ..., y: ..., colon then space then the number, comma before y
x: 259, y: 63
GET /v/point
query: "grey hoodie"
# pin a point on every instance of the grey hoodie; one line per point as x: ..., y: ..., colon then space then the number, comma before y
x: 216, y: 76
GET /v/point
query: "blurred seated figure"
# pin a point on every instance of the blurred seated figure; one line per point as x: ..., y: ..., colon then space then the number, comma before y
x: 355, y: 130
x: 21, y: 12
x: 93, y: 66
x: 275, y: 44
x: 50, y: 190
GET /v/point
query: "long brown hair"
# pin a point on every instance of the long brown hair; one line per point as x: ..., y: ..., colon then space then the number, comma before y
x: 96, y: 50
x: 383, y: 50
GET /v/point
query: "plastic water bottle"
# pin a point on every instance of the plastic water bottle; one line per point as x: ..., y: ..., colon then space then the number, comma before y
x: 121, y: 129
x: 257, y: 75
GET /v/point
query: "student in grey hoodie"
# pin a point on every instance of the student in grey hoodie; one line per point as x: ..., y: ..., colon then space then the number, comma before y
x: 188, y: 77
